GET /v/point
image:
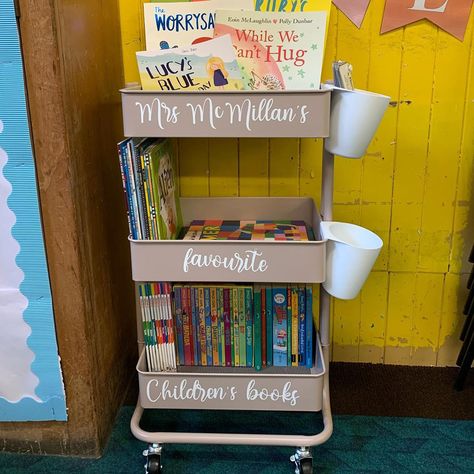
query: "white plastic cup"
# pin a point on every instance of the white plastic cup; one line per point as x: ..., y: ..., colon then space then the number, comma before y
x: 351, y: 252
x: 355, y: 117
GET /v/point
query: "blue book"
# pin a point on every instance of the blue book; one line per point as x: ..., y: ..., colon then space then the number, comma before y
x: 309, y: 325
x: 301, y: 325
x: 124, y: 151
x: 269, y: 323
x: 178, y: 311
x: 280, y: 326
x: 207, y: 315
x: 195, y: 325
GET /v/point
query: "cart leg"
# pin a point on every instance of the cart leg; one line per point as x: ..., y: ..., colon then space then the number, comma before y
x: 303, y: 460
x: 153, y: 459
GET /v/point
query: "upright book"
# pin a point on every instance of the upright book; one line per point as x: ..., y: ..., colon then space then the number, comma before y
x: 170, y: 25
x: 276, y: 51
x: 205, y: 66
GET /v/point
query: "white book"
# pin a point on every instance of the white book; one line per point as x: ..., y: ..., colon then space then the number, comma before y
x: 171, y: 25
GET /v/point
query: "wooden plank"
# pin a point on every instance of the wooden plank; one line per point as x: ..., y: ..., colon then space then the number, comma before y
x: 284, y: 167
x: 253, y: 166
x: 447, y: 115
x: 373, y: 311
x: 223, y: 167
x: 412, y: 144
x: 194, y: 167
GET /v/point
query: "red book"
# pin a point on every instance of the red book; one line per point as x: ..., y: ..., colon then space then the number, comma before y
x: 227, y: 328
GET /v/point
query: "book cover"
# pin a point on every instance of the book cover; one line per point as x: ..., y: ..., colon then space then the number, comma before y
x: 207, y: 313
x: 202, y: 326
x: 165, y: 189
x: 280, y: 326
x: 269, y: 317
x: 235, y: 344
x: 276, y: 51
x: 257, y: 325
x: 309, y: 325
x: 148, y: 192
x: 178, y: 311
x: 211, y: 65
x: 214, y: 326
x: 249, y: 325
x: 294, y: 325
x: 227, y: 327
x: 187, y: 325
x: 301, y: 325
x: 170, y: 25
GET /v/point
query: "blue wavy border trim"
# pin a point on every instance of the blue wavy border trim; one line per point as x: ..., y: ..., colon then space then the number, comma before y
x: 23, y: 201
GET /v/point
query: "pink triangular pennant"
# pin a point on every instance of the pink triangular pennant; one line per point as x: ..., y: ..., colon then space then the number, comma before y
x: 354, y: 9
x: 450, y: 15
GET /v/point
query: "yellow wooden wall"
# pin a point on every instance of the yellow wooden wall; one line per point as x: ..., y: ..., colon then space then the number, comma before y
x: 413, y: 187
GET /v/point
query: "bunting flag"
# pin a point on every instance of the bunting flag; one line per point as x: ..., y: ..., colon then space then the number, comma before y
x: 450, y: 15
x: 354, y: 9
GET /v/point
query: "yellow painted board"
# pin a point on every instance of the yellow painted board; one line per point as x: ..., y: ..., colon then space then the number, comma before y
x: 412, y: 144
x: 330, y: 48
x: 253, y: 166
x: 454, y: 297
x: 373, y: 310
x: 463, y: 230
x: 284, y: 166
x: 447, y: 115
x: 194, y: 167
x: 427, y: 318
x: 311, y: 168
x: 347, y: 213
x: 346, y: 321
x: 400, y: 314
x: 376, y: 217
x: 223, y: 167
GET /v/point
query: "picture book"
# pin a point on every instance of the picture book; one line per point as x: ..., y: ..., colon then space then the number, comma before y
x: 213, y: 229
x: 257, y: 325
x: 294, y: 325
x: 172, y: 25
x: 164, y: 192
x: 276, y: 51
x: 309, y: 325
x: 205, y: 66
x: 214, y: 327
x: 269, y: 323
x: 249, y: 337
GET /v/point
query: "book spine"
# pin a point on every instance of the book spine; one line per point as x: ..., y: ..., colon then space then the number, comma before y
x: 214, y: 327
x: 294, y: 325
x: 280, y: 327
x: 187, y: 333
x: 242, y: 328
x: 257, y: 325
x: 131, y: 206
x: 289, y: 324
x: 137, y: 169
x: 195, y: 326
x: 301, y: 325
x: 207, y: 312
x: 133, y: 188
x: 121, y: 151
x: 263, y: 332
x: 220, y: 326
x: 227, y: 327
x: 309, y: 325
x: 249, y: 326
x: 269, y: 317
x: 178, y: 311
x: 235, y: 327
x: 202, y: 327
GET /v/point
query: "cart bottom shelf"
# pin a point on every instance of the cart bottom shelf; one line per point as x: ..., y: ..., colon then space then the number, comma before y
x: 288, y: 389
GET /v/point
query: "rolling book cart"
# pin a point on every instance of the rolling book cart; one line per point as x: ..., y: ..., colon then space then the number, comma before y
x: 236, y: 114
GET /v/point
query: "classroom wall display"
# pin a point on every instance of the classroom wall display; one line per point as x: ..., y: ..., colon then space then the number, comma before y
x: 355, y: 10
x: 31, y: 387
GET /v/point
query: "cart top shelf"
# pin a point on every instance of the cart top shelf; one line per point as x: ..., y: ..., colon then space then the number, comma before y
x: 225, y: 114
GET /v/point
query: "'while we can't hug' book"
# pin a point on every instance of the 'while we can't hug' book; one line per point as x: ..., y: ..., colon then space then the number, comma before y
x: 276, y: 51
x: 211, y: 65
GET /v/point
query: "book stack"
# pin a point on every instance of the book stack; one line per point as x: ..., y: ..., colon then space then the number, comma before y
x: 158, y: 330
x: 244, y: 325
x: 150, y: 188
x: 277, y: 230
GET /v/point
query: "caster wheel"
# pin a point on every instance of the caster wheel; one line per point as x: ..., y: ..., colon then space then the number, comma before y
x: 306, y: 466
x: 153, y: 464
